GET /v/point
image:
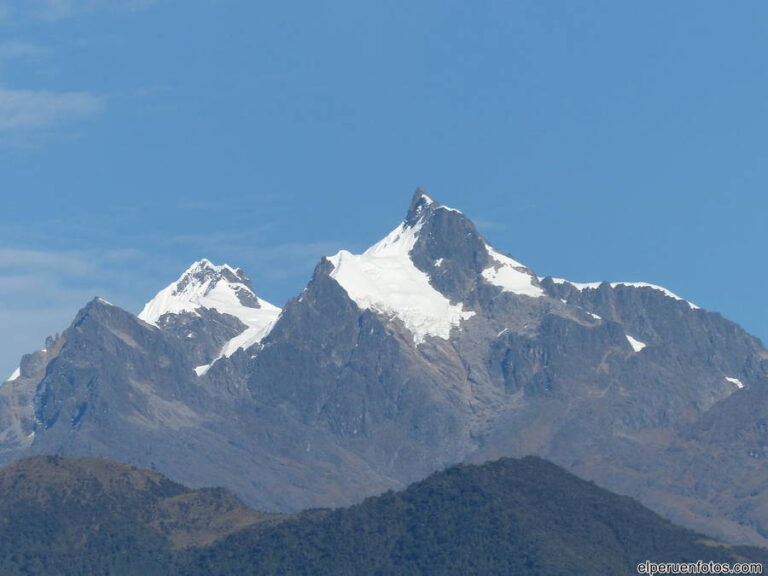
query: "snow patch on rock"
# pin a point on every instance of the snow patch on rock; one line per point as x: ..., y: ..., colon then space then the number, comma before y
x: 736, y: 381
x: 510, y: 275
x: 595, y: 285
x: 636, y: 344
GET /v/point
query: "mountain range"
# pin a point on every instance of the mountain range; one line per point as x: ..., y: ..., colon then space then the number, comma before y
x: 429, y: 349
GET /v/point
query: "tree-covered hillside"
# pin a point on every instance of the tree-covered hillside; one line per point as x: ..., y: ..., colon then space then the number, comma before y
x: 509, y: 517
x: 89, y: 517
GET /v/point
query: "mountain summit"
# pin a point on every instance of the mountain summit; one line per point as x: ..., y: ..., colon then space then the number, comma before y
x: 427, y: 271
x: 204, y: 285
x: 207, y: 289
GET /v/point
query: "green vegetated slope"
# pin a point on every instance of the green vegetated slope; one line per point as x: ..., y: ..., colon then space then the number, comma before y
x: 509, y: 517
x: 87, y: 516
x: 78, y: 516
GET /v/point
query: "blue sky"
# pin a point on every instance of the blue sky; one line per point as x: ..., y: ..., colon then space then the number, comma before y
x: 591, y: 140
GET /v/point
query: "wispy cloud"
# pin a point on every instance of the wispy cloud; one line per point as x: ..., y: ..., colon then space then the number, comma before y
x: 69, y: 263
x: 60, y: 9
x: 28, y: 115
x: 31, y: 109
x: 16, y: 50
x: 21, y: 268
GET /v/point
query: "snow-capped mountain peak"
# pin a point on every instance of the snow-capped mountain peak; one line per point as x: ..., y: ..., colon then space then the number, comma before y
x: 224, y: 289
x: 204, y: 285
x: 411, y: 273
x: 384, y: 278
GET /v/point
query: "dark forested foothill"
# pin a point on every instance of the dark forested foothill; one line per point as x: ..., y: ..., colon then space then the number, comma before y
x: 80, y: 516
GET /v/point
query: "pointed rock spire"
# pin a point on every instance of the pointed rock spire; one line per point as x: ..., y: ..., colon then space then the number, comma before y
x: 421, y: 204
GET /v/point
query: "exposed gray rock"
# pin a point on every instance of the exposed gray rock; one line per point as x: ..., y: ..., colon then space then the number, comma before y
x: 202, y: 334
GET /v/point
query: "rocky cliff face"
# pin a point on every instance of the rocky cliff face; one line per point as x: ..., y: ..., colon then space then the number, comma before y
x: 430, y: 348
